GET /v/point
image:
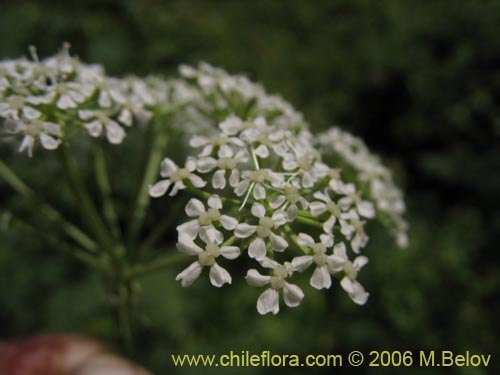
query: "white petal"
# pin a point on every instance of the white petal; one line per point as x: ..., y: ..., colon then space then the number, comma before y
x: 278, y: 243
x: 48, y: 142
x: 317, y: 208
x: 94, y: 128
x: 305, y: 240
x: 125, y: 117
x: 234, y: 178
x: 215, y: 202
x: 259, y: 192
x: 335, y: 263
x: 219, y: 276
x: 230, y: 252
x: 168, y: 167
x: 219, y: 179
x: 179, y: 185
x: 65, y: 102
x: 31, y: 113
x: 360, y: 262
x: 258, y: 210
x: 244, y: 230
x: 321, y: 278
x: 85, y: 114
x: 194, y: 207
x: 242, y: 187
x: 187, y: 246
x: 189, y: 229
x: 307, y: 180
x: 197, y: 181
x: 262, y: 151
x: 254, y: 278
x: 366, y: 209
x: 27, y: 144
x: 292, y: 295
x: 114, y: 133
x: 326, y: 240
x: 290, y: 164
x: 340, y: 250
x: 291, y: 212
x: 159, y: 189
x: 198, y: 141
x: 210, y: 235
x: 268, y: 302
x: 328, y: 225
x: 257, y: 249
x: 228, y: 222
x: 301, y: 263
x: 190, y: 274
x: 231, y: 125
x: 277, y: 202
x: 276, y: 180
x: 205, y: 165
x: 279, y: 217
x: 104, y: 99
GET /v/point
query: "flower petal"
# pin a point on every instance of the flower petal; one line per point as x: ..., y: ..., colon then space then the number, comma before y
x: 194, y: 207
x: 230, y: 252
x: 190, y: 274
x: 219, y: 179
x: 254, y: 278
x: 268, y: 302
x: 244, y: 230
x: 306, y: 240
x: 258, y: 210
x: 219, y: 276
x: 292, y: 295
x: 228, y: 222
x: 278, y: 243
x: 257, y: 249
x: 187, y: 246
x: 215, y: 202
x: 301, y: 263
x: 321, y: 278
x: 159, y: 189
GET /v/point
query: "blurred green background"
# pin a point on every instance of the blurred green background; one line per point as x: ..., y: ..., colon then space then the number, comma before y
x: 419, y: 81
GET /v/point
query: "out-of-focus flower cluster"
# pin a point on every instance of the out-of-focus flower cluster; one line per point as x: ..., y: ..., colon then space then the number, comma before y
x: 262, y: 185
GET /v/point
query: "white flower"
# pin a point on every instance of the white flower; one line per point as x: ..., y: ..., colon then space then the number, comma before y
x: 70, y: 94
x: 349, y: 283
x: 33, y: 129
x: 364, y: 208
x: 209, y: 143
x: 206, y: 258
x: 325, y: 264
x: 255, y: 181
x: 20, y: 107
x: 265, y: 229
x: 268, y: 301
x: 302, y: 159
x: 176, y: 176
x: 290, y: 199
x: 325, y: 204
x: 205, y: 218
x: 114, y: 132
x: 226, y: 164
x: 351, y: 224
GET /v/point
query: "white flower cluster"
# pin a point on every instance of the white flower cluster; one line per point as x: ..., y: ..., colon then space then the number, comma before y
x: 265, y: 186
x: 42, y: 100
x: 370, y: 173
x: 268, y: 195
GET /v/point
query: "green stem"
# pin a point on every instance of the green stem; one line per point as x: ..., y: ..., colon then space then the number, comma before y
x: 156, y: 265
x: 89, y: 259
x: 87, y: 209
x: 52, y: 214
x: 124, y: 309
x: 149, y: 176
x: 102, y: 177
x: 206, y: 195
x: 309, y: 221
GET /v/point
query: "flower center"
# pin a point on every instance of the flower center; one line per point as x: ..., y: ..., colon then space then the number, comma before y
x: 258, y: 176
x: 291, y: 194
x: 226, y: 163
x: 206, y: 259
x: 179, y: 175
x: 304, y: 163
x: 333, y: 208
x: 17, y: 102
x: 349, y: 270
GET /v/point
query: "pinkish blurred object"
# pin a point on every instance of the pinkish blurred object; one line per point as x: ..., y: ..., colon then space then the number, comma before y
x: 62, y: 355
